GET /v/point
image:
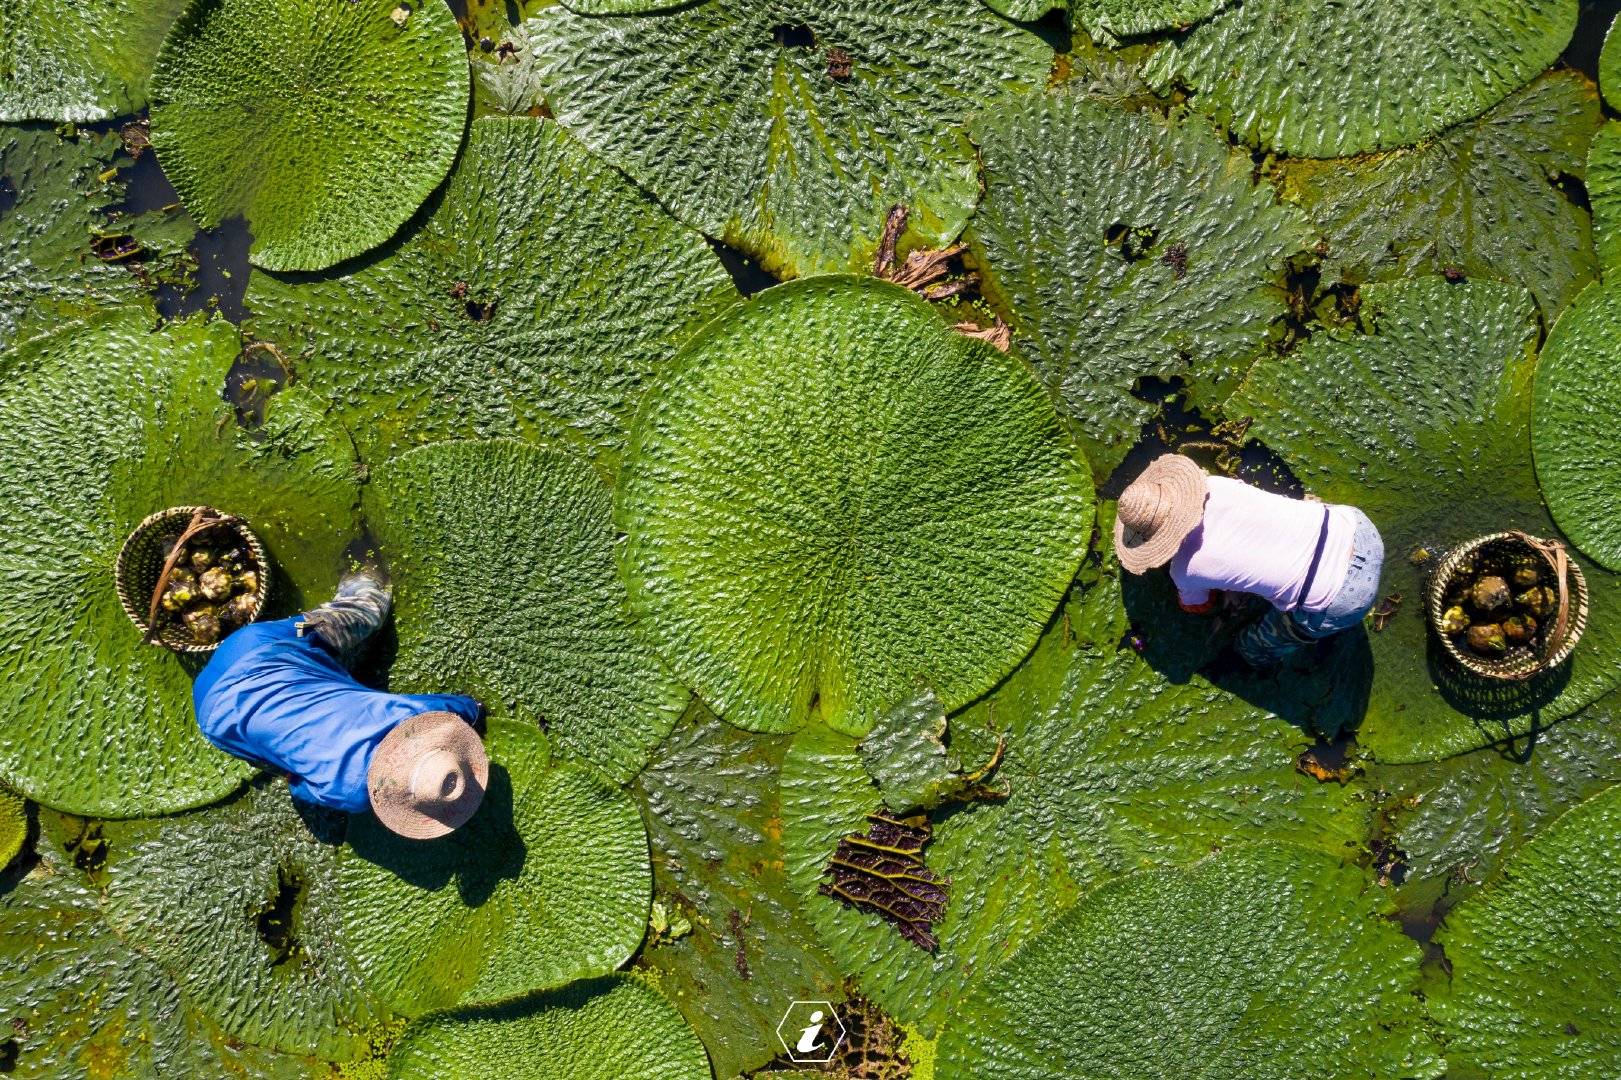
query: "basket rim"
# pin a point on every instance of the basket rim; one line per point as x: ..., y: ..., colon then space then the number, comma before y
x: 1504, y: 670
x: 121, y: 569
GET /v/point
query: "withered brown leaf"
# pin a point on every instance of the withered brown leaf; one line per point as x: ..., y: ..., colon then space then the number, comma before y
x: 883, y: 872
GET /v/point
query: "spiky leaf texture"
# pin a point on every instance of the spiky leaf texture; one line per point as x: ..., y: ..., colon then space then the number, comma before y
x: 731, y: 115
x: 1456, y: 821
x: 1533, y: 959
x: 831, y: 496
x: 1573, y: 429
x: 506, y: 588
x: 1110, y: 767
x: 101, y: 424
x: 711, y: 799
x: 238, y: 904
x: 324, y: 125
x: 1423, y: 420
x: 1105, y: 19
x: 1481, y: 198
x: 536, y: 297
x: 1327, y: 78
x: 1268, y: 962
x: 83, y: 1004
x: 615, y: 1028
x: 79, y: 60
x: 548, y: 883
x: 1122, y: 248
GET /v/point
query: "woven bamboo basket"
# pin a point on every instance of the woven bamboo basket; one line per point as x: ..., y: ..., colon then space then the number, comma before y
x: 141, y: 571
x: 1556, y: 638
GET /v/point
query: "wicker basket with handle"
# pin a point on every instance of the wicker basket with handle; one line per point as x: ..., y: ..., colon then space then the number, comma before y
x: 149, y: 555
x: 1555, y: 639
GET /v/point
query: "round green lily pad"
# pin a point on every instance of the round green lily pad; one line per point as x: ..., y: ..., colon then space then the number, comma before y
x: 1478, y: 199
x: 1109, y: 766
x: 1107, y: 19
x: 324, y: 124
x: 79, y: 60
x: 616, y: 1028
x: 239, y: 905
x: 830, y: 495
x: 506, y: 587
x: 789, y: 129
x: 1423, y: 419
x: 1533, y: 957
x: 1604, y: 193
x: 711, y: 798
x: 1609, y: 67
x: 1456, y: 821
x: 13, y: 826
x: 78, y: 1002
x: 1267, y: 962
x: 536, y: 297
x: 1327, y: 78
x: 101, y: 424
x: 1573, y: 428
x: 1122, y: 247
x: 548, y: 883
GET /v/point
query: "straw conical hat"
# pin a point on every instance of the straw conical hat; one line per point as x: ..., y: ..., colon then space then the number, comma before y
x: 427, y: 776
x: 1157, y: 511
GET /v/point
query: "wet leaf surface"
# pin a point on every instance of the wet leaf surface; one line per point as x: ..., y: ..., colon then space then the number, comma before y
x: 79, y: 59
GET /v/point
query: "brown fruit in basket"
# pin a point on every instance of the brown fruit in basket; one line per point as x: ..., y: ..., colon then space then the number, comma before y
x: 215, y: 583
x: 204, y: 624
x: 1527, y: 576
x: 247, y: 581
x: 176, y: 597
x: 201, y: 559
x: 238, y: 609
x: 1490, y: 593
x: 1454, y: 620
x: 1519, y: 629
x: 1539, y: 601
x: 1487, y: 640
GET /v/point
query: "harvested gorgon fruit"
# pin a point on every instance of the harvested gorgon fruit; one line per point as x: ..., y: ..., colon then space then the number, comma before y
x: 1499, y: 605
x: 212, y: 587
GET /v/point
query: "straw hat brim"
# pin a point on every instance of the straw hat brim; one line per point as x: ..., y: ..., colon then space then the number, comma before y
x: 388, y: 777
x: 1185, y: 485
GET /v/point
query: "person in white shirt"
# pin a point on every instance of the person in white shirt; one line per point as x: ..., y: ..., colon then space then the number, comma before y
x: 1318, y: 565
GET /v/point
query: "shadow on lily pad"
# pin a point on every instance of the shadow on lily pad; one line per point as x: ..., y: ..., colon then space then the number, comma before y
x: 1493, y: 703
x: 479, y: 855
x: 1324, y: 691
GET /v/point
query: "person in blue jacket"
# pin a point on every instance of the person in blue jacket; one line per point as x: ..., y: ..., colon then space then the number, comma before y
x: 280, y: 694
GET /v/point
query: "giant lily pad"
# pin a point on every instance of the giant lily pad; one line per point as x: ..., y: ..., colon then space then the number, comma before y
x: 1604, y: 192
x: 1534, y: 965
x: 79, y: 1003
x: 1326, y: 78
x: 549, y: 882
x: 830, y: 495
x: 1455, y: 821
x: 1269, y: 962
x: 506, y: 588
x: 324, y: 125
x: 79, y: 60
x: 738, y: 115
x: 712, y: 804
x: 1110, y: 767
x: 1573, y: 430
x: 536, y: 297
x: 1123, y: 247
x: 13, y: 826
x: 56, y: 198
x: 1423, y: 421
x: 1481, y: 198
x: 1106, y: 19
x: 609, y: 1029
x: 239, y: 905
x: 100, y: 425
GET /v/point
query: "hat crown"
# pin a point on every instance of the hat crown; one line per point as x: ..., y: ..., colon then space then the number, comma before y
x: 1142, y: 508
x: 437, y: 777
